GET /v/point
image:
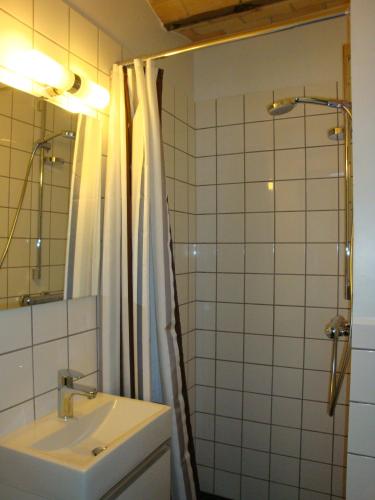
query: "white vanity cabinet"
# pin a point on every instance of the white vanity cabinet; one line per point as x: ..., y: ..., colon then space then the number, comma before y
x: 149, y: 481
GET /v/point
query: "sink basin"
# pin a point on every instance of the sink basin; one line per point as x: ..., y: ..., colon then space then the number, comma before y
x: 54, y: 459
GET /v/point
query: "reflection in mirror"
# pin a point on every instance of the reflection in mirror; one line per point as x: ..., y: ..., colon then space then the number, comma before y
x: 37, y: 158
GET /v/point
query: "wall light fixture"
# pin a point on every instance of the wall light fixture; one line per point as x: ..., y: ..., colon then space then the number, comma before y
x: 40, y: 75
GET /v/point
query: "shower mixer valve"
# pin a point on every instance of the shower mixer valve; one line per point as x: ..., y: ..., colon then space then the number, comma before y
x: 337, y: 327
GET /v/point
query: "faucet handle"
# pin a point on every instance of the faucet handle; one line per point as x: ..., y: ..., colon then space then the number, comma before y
x: 66, y: 377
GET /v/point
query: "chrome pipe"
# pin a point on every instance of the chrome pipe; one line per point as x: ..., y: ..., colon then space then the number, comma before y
x: 20, y: 202
x: 37, y: 271
x: 42, y: 298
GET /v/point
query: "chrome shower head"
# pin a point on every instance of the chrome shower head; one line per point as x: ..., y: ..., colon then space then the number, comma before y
x: 285, y: 105
x: 66, y: 134
x: 281, y: 106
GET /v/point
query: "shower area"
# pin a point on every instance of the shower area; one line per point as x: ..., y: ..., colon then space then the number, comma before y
x: 262, y: 245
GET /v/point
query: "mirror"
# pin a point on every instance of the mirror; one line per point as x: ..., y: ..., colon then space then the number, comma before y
x: 42, y: 181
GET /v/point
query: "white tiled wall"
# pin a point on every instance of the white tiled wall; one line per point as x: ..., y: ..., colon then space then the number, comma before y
x: 35, y: 342
x: 269, y: 276
x: 178, y: 115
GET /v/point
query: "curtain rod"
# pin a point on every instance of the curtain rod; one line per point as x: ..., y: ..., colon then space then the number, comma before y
x: 328, y: 14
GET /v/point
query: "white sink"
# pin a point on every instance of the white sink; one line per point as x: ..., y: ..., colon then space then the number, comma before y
x: 54, y: 459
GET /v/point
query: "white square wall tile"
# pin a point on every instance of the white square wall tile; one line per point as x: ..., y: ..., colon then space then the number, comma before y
x: 15, y: 327
x: 206, y: 170
x: 230, y: 198
x: 230, y: 168
x: 287, y: 382
x: 17, y: 385
x: 259, y: 166
x: 290, y: 164
x: 316, y: 476
x: 322, y: 194
x: 83, y: 38
x: 205, y: 315
x: 21, y: 9
x: 257, y: 487
x: 260, y: 227
x: 83, y: 352
x: 316, y: 446
x: 49, y: 358
x: 230, y: 110
x: 229, y: 346
x: 230, y: 287
x: 81, y: 314
x: 230, y: 317
x: 255, y: 463
x: 257, y: 407
x: 206, y: 142
x: 290, y: 258
x: 230, y: 258
x: 256, y: 436
x: 228, y: 403
x: 204, y: 426
x: 288, y: 352
x: 322, y: 226
x: 205, y: 344
x: 284, y: 470
x: 259, y: 258
x: 259, y: 319
x: 228, y: 457
x: 16, y: 417
x: 289, y: 321
x: 259, y: 197
x: 258, y: 349
x: 286, y: 412
x: 231, y: 228
x: 322, y: 258
x: 286, y: 441
x: 227, y: 484
x: 290, y: 195
x: 316, y: 418
x: 290, y: 290
x: 205, y: 399
x: 289, y: 133
x: 258, y: 379
x: 322, y: 162
x: 49, y: 321
x: 321, y: 291
x: 228, y: 430
x: 206, y: 199
x: 51, y: 18
x: 317, y: 129
x: 290, y: 227
x: 205, y: 113
x: 230, y: 139
x: 259, y: 289
x: 258, y: 136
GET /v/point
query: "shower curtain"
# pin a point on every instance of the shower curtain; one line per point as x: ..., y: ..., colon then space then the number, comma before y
x: 82, y: 264
x: 142, y: 345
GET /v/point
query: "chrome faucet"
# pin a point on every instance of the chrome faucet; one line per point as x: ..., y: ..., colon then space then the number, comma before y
x: 66, y: 389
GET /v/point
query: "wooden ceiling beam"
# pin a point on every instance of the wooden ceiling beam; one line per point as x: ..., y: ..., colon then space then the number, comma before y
x: 222, y: 13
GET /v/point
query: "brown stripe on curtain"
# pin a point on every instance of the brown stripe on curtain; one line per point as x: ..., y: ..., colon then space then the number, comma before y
x: 191, y: 448
x: 129, y: 126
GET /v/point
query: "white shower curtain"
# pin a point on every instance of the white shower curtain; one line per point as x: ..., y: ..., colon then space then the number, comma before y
x: 83, y: 244
x: 141, y: 348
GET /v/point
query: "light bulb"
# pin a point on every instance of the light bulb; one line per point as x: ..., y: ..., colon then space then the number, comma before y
x: 42, y: 69
x: 93, y: 95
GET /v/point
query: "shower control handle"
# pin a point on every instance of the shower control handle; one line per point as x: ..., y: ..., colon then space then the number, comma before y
x: 337, y: 327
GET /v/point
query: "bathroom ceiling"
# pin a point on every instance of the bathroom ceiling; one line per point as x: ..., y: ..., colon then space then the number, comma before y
x: 205, y: 19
